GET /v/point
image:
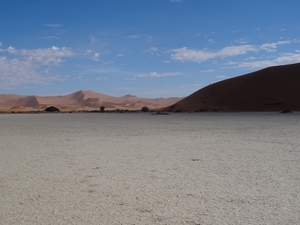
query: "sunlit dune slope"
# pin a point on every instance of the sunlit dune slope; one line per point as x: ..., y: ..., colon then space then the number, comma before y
x: 82, y: 100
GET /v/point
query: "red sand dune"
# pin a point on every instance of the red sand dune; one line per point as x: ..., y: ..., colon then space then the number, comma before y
x: 271, y: 89
x: 81, y: 100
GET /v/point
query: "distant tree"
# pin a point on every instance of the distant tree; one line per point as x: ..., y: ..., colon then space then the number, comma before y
x: 102, y: 108
x: 145, y: 109
x: 52, y: 109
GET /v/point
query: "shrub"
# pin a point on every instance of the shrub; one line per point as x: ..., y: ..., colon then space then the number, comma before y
x: 102, y: 108
x: 145, y: 109
x: 52, y: 109
x: 286, y: 111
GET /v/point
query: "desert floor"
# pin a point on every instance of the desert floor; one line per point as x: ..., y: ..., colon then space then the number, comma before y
x: 186, y: 168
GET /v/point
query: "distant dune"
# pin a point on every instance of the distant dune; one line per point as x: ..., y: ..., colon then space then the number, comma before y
x: 271, y: 89
x: 81, y: 100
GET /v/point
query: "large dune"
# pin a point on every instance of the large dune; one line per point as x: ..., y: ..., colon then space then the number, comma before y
x: 271, y: 89
x: 81, y: 100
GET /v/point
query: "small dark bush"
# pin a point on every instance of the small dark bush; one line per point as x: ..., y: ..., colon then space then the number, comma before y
x: 160, y: 113
x: 145, y: 109
x: 286, y: 111
x: 52, y: 109
x: 203, y: 110
x: 102, y: 108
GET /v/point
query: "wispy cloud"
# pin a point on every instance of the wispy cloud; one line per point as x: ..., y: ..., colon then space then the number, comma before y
x: 273, y: 46
x: 88, y: 51
x: 132, y: 36
x: 242, y: 41
x: 149, y: 39
x: 185, y: 54
x: 50, y: 37
x: 206, y: 71
x: 96, y: 56
x: 152, y: 49
x: 52, y: 25
x: 221, y: 77
x: 19, y: 66
x: 101, y: 78
x: 282, y: 60
x: 157, y: 75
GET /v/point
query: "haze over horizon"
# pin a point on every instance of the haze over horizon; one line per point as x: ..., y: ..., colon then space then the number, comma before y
x: 149, y: 48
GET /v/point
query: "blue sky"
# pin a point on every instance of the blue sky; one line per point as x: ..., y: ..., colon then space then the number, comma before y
x: 148, y: 48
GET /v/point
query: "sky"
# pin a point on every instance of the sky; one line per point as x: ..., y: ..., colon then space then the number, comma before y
x: 147, y: 48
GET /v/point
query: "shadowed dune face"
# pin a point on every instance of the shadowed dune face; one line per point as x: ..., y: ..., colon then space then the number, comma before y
x: 81, y: 100
x: 271, y: 89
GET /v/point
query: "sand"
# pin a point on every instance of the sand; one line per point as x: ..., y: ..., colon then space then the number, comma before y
x: 272, y: 89
x: 80, y: 100
x: 186, y: 168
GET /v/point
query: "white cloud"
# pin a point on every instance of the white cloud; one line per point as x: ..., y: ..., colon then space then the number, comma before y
x: 273, y: 46
x: 0, y: 44
x: 120, y: 55
x: 20, y: 66
x: 282, y: 60
x: 156, y: 75
x: 96, y: 56
x: 185, y: 54
x: 41, y: 57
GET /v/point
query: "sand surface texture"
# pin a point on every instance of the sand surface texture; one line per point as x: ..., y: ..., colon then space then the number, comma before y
x: 234, y: 168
